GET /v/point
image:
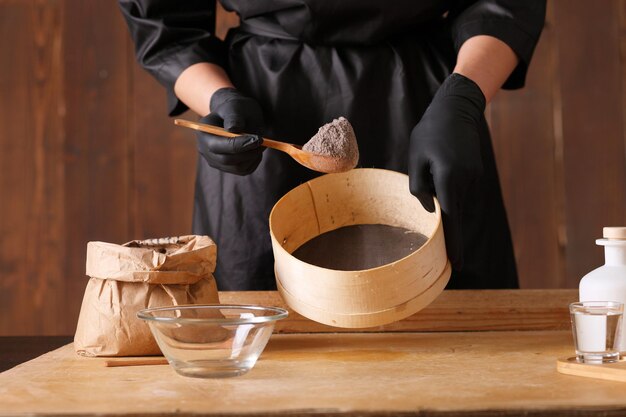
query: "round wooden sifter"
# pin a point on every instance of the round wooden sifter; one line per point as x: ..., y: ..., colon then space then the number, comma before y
x: 358, y: 298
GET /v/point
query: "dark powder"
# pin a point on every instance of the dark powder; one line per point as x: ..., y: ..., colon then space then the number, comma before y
x: 335, y: 139
x: 358, y: 247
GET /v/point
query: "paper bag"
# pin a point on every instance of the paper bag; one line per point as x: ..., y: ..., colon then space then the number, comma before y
x: 136, y: 275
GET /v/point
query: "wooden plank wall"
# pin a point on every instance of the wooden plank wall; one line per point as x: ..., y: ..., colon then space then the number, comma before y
x: 86, y: 152
x: 560, y: 143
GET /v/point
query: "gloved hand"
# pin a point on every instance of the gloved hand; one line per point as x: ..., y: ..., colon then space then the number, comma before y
x: 445, y: 157
x: 236, y: 113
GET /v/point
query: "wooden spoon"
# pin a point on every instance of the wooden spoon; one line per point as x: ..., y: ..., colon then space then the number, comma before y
x: 316, y: 162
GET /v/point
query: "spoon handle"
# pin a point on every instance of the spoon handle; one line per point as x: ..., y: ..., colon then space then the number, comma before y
x: 268, y: 143
x: 205, y: 128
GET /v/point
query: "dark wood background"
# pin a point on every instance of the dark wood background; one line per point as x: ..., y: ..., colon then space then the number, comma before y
x: 87, y: 153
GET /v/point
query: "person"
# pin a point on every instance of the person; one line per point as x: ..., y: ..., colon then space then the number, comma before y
x: 413, y: 78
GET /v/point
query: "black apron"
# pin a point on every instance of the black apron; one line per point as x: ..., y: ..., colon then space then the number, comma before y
x: 307, y: 63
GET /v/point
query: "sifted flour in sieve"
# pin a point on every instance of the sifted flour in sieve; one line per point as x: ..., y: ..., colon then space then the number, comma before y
x: 335, y: 139
x: 359, y: 247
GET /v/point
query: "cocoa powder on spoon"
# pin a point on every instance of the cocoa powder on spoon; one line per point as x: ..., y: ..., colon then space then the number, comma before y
x: 335, y: 139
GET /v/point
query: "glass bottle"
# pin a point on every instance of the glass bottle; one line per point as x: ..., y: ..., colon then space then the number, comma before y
x: 608, y: 282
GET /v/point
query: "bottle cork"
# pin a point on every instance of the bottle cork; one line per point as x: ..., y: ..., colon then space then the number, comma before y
x: 614, y: 233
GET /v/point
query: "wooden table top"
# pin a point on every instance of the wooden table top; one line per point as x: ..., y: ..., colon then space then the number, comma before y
x: 421, y: 373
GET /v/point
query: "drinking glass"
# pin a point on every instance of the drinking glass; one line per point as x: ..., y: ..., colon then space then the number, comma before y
x: 596, y: 327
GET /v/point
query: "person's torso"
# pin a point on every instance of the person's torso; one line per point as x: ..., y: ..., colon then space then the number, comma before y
x: 342, y: 21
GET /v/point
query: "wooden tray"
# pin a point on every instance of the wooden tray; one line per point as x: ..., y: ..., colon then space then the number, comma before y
x: 610, y: 371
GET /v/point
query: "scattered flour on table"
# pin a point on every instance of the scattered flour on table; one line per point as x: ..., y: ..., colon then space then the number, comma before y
x: 335, y: 139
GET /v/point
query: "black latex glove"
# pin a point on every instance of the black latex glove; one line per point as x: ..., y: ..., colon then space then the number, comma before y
x: 445, y: 159
x: 236, y: 113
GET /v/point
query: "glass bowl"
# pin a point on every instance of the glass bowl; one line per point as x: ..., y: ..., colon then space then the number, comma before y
x: 212, y: 340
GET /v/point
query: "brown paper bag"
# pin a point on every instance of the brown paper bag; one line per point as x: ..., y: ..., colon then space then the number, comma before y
x: 137, y: 275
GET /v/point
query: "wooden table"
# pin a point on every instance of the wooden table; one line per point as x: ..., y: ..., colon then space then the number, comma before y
x: 463, y: 355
